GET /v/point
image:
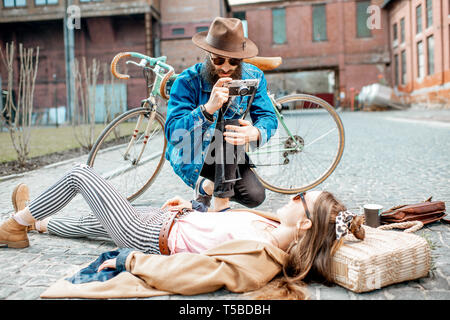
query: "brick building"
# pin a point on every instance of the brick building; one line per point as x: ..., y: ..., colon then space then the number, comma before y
x: 326, y: 45
x: 420, y: 45
x: 180, y: 20
x: 107, y: 27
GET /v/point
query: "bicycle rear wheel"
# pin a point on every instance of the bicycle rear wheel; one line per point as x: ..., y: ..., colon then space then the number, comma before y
x: 305, y: 149
x: 129, y: 172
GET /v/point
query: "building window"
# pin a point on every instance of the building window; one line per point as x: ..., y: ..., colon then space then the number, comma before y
x: 429, y: 12
x: 395, y: 34
x: 420, y: 60
x: 419, y: 19
x: 403, y: 67
x: 402, y: 30
x: 279, y: 25
x: 395, y: 31
x: 362, y: 31
x: 430, y: 53
x: 201, y: 29
x: 45, y: 2
x: 177, y: 31
x: 241, y: 15
x: 91, y: 0
x: 14, y: 3
x: 319, y: 22
x: 396, y: 68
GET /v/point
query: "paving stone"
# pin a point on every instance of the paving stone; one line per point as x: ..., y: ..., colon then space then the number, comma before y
x: 14, y: 279
x: 438, y: 295
x: 42, y: 281
x: 372, y: 295
x: 406, y: 293
x: 334, y: 293
x: 435, y: 281
x: 7, y: 291
x: 31, y: 293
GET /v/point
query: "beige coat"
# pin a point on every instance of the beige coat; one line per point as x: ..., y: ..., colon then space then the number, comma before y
x: 238, y: 266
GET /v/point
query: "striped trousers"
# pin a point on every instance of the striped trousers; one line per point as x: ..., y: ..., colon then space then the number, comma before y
x: 112, y: 215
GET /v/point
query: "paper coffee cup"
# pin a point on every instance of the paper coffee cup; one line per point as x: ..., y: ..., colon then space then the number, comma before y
x: 372, y: 214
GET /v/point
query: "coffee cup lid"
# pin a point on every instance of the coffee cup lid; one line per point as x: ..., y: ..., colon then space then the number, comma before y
x: 373, y: 206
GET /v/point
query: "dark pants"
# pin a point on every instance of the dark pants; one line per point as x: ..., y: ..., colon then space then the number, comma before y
x: 225, y: 162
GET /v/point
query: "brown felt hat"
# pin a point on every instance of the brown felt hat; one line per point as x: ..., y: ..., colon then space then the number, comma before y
x: 225, y: 37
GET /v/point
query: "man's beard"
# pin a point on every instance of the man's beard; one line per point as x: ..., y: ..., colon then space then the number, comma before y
x: 211, y: 75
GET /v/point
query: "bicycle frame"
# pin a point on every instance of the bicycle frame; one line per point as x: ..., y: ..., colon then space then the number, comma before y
x: 159, y: 70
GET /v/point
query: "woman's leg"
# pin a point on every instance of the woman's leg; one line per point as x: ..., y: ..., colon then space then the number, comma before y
x: 126, y: 226
x: 74, y: 227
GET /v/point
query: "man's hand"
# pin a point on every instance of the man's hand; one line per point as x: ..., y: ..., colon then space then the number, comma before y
x: 176, y: 204
x: 111, y: 263
x: 219, y: 96
x: 239, y: 135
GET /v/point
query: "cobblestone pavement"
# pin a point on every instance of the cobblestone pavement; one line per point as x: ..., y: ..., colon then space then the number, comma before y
x: 390, y: 158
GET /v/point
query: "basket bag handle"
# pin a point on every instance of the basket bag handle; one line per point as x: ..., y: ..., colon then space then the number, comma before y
x: 410, y: 226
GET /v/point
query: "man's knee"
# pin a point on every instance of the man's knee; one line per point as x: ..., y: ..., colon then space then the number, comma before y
x: 255, y: 197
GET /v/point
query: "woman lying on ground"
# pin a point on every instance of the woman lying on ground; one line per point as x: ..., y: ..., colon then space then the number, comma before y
x: 310, y: 227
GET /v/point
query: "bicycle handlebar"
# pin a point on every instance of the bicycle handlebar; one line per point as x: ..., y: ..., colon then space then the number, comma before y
x: 162, y: 88
x: 160, y: 61
x: 114, y: 65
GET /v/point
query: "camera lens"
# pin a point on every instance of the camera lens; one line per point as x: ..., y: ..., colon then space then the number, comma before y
x: 243, y: 91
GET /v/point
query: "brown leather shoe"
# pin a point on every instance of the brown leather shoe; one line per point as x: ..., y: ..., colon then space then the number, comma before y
x: 13, y: 234
x: 20, y: 197
x: 32, y: 227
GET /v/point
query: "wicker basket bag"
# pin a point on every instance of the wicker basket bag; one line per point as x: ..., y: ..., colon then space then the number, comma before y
x: 383, y: 258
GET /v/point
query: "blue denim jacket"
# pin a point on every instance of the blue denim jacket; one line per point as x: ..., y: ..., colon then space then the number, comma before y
x: 89, y: 273
x: 189, y: 133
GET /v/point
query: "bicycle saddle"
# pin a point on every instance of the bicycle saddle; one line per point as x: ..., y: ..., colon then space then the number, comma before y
x: 265, y: 63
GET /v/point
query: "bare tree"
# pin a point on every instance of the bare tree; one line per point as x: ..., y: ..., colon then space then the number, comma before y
x: 83, y: 118
x: 113, y: 98
x: 18, y: 114
x: 107, y: 96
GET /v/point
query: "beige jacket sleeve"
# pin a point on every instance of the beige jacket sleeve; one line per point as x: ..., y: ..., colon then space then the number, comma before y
x: 239, y: 266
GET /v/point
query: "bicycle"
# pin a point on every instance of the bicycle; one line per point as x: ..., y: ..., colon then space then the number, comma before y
x: 124, y: 155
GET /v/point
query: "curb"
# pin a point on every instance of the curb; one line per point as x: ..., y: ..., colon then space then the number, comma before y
x: 49, y: 166
x: 420, y: 121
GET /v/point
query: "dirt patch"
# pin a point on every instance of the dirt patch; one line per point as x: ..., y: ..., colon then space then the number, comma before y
x: 13, y: 167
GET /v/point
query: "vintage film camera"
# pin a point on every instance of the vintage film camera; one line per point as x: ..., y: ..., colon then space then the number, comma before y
x: 242, y: 87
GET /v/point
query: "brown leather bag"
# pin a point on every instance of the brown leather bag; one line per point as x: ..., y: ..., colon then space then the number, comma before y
x: 426, y: 212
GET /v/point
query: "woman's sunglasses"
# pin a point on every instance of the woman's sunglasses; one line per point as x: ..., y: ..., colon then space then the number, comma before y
x: 301, y: 195
x: 218, y: 61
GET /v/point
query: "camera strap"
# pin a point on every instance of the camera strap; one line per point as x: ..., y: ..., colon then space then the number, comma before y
x: 249, y: 104
x: 225, y: 107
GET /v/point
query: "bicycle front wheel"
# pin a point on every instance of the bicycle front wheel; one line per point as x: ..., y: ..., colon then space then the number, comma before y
x: 129, y: 153
x: 305, y: 149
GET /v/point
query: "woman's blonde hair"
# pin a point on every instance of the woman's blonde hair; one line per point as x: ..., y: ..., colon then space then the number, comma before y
x: 310, y: 256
